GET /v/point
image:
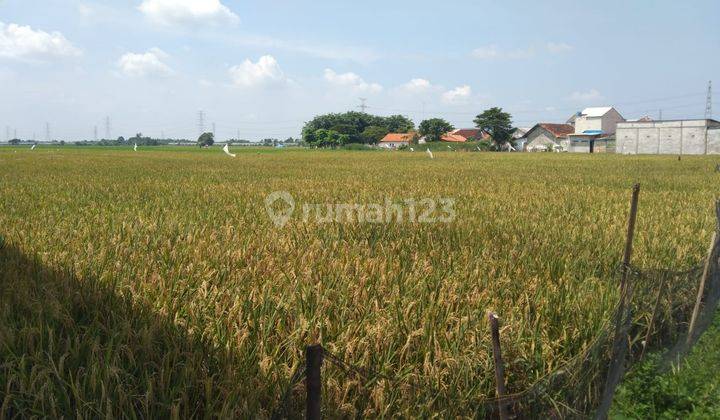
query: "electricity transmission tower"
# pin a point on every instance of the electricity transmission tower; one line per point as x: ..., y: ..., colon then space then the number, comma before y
x: 201, y: 122
x: 362, y: 105
x: 708, y: 103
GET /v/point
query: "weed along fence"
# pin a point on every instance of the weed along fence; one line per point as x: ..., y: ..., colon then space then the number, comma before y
x: 585, y: 385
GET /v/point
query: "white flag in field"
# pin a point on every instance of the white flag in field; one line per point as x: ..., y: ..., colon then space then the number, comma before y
x: 430, y: 153
x: 226, y: 149
x: 135, y: 147
x: 412, y: 150
x: 33, y: 147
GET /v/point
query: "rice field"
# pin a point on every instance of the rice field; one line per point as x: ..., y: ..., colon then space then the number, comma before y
x: 154, y: 284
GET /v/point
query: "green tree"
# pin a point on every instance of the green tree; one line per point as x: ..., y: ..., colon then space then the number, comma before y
x: 374, y: 134
x: 399, y: 124
x: 353, y: 124
x: 14, y: 141
x: 496, y: 123
x: 206, y: 139
x: 329, y: 138
x: 434, y: 128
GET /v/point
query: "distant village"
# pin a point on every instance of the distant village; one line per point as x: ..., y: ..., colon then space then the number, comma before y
x: 594, y: 130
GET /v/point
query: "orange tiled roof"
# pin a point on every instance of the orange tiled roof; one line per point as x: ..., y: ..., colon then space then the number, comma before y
x: 397, y: 137
x: 453, y: 138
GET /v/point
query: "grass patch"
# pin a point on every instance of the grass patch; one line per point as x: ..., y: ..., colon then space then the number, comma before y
x: 690, y: 389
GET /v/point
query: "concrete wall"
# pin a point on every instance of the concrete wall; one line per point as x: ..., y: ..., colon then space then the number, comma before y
x: 689, y: 137
x: 610, y: 121
x: 714, y: 141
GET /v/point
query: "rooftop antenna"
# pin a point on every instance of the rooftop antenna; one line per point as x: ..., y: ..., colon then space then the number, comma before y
x: 708, y: 104
x: 362, y: 105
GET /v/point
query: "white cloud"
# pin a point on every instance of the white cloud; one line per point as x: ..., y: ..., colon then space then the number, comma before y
x: 417, y: 86
x: 85, y: 10
x: 263, y: 73
x: 558, y: 47
x: 23, y: 42
x: 459, y: 94
x: 144, y: 64
x: 493, y: 52
x: 487, y: 52
x: 351, y: 80
x: 183, y: 12
x: 590, y: 95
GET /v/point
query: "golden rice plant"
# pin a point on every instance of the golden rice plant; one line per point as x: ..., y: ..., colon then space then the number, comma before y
x: 153, y: 284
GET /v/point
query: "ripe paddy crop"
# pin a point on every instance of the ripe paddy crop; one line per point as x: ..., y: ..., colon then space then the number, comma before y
x: 154, y: 284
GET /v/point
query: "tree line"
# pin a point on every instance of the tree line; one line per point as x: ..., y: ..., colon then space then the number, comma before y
x: 339, y: 129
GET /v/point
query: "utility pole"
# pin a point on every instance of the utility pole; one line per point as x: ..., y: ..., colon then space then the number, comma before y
x: 107, y: 128
x: 213, y: 126
x: 201, y: 122
x: 362, y: 105
x: 238, y: 134
x: 95, y: 133
x: 660, y: 115
x: 708, y: 103
x: 7, y: 133
x: 47, y: 131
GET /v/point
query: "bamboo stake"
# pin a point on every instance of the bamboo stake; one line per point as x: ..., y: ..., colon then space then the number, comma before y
x: 701, y: 289
x: 499, y: 367
x: 619, y: 348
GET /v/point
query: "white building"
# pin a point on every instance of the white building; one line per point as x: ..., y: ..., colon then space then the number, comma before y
x: 593, y: 127
x: 395, y: 140
x: 676, y: 137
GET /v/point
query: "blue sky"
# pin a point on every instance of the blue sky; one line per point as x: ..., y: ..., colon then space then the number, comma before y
x: 263, y: 68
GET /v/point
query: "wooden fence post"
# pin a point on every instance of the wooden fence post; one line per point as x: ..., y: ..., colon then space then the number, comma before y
x: 313, y: 381
x: 701, y: 289
x: 499, y: 367
x: 619, y: 348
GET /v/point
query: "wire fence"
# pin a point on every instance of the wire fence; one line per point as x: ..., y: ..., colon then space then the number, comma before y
x: 653, y: 312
